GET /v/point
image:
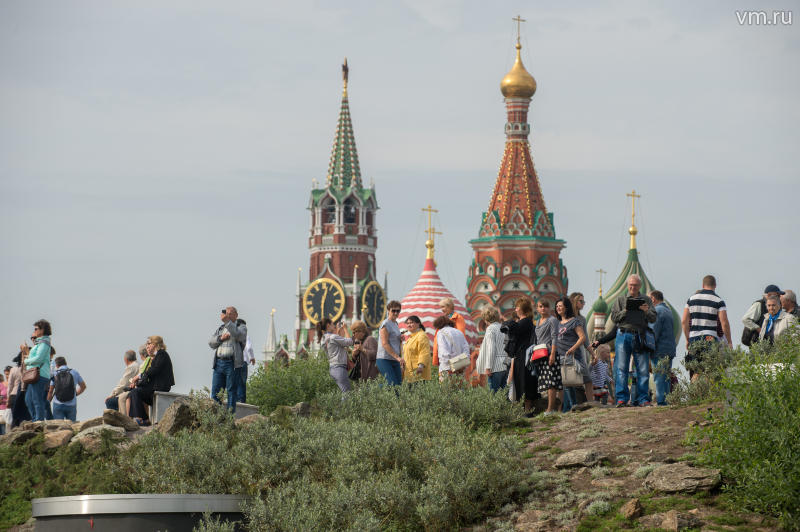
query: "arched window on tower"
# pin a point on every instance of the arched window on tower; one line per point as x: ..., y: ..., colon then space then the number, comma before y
x: 350, y: 211
x: 329, y: 211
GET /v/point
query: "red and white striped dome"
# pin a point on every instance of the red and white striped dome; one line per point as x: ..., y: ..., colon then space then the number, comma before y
x: 423, y: 301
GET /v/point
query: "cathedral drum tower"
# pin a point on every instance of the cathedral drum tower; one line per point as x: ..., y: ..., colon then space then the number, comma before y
x: 516, y: 252
x: 343, y: 240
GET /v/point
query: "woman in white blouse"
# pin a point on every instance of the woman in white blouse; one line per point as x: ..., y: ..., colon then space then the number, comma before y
x: 450, y: 343
x: 493, y: 359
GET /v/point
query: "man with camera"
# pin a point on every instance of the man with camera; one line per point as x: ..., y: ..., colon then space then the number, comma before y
x: 631, y: 313
x: 228, y: 344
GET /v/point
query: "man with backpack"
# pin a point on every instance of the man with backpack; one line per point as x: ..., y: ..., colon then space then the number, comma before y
x: 754, y: 316
x: 65, y: 386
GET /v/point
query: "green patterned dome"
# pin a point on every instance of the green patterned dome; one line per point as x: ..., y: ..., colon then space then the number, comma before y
x: 600, y: 306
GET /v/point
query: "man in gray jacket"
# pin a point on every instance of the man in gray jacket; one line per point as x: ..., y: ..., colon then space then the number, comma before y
x: 631, y: 313
x: 228, y: 343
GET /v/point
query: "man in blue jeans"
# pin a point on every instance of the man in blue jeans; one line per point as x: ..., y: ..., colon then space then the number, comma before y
x: 664, y: 329
x: 65, y: 386
x: 228, y: 343
x: 631, y: 313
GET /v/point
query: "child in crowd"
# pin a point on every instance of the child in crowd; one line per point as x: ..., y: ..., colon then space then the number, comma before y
x: 601, y: 375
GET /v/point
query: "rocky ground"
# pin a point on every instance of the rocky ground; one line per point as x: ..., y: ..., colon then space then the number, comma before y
x: 627, y: 468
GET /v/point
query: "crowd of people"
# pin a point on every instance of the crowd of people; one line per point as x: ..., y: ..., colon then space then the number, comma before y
x: 547, y: 353
x: 531, y: 355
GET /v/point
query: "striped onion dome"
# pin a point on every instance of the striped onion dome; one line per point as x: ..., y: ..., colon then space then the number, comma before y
x: 423, y: 301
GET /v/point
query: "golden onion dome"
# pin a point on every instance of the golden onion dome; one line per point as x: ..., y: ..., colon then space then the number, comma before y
x: 518, y: 83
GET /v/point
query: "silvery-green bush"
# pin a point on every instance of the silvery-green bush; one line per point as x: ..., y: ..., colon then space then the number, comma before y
x: 428, y: 457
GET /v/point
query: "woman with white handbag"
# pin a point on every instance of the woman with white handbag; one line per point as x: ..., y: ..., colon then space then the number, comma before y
x: 452, y: 347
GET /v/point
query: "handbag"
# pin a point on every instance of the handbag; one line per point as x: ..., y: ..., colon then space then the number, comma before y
x: 459, y: 362
x: 355, y: 371
x: 30, y: 375
x: 571, y: 372
x: 645, y: 341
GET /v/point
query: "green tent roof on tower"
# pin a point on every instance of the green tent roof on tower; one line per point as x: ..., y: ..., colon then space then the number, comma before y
x: 344, y: 172
x: 620, y: 287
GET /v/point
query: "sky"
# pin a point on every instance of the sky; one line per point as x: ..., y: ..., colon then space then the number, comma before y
x: 156, y: 159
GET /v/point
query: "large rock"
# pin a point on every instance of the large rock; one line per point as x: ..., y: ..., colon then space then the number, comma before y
x: 579, y: 458
x: 681, y: 477
x: 18, y: 437
x: 177, y: 417
x: 59, y: 438
x: 301, y: 409
x: 251, y: 419
x: 118, y: 419
x: 631, y: 509
x: 92, y: 440
x: 89, y: 423
x: 36, y: 426
x: 55, y: 425
x: 672, y: 520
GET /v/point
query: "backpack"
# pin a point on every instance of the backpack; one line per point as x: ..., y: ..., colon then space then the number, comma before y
x: 751, y: 335
x: 64, y: 386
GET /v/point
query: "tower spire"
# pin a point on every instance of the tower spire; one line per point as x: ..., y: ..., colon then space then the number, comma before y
x: 632, y: 229
x: 344, y: 171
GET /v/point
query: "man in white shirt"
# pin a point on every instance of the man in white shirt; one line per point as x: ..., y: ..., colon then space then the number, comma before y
x: 241, y: 373
x: 131, y: 369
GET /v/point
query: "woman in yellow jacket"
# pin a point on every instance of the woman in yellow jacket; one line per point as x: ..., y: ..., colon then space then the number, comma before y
x: 416, y: 352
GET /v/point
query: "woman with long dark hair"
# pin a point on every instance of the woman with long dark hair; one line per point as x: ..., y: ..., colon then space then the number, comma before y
x: 416, y: 352
x: 334, y: 342
x: 571, y: 336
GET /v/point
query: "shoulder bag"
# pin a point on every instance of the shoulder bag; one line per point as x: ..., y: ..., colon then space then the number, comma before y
x: 30, y: 375
x: 571, y: 372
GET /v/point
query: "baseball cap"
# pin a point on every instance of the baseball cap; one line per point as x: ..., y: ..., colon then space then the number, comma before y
x: 773, y: 288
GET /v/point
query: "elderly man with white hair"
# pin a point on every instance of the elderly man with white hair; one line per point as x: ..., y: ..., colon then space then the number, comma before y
x: 631, y: 313
x: 789, y: 303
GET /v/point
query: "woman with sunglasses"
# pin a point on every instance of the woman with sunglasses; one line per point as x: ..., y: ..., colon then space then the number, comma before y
x: 38, y: 357
x: 390, y: 357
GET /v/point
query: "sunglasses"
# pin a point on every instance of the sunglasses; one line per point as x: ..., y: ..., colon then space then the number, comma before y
x: 394, y: 310
x: 224, y: 311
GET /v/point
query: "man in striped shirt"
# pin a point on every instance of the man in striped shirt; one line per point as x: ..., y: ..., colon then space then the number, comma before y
x: 703, y: 312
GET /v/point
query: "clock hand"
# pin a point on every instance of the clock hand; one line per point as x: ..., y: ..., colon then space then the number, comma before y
x: 324, y: 297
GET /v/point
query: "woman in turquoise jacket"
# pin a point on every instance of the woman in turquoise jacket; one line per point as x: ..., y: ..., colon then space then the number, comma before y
x: 38, y: 357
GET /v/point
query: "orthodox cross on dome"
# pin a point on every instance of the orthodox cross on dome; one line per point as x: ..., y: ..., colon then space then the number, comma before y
x: 345, y: 74
x: 632, y: 229
x: 518, y: 20
x: 602, y: 272
x: 430, y: 230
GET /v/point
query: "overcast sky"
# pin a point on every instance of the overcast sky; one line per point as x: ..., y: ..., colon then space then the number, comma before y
x: 156, y: 158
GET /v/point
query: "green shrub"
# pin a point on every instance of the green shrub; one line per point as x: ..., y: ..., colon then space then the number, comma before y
x: 279, y: 384
x: 755, y: 440
x: 717, y: 358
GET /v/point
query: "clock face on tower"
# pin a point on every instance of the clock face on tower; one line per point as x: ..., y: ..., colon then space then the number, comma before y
x: 373, y: 304
x: 324, y: 298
